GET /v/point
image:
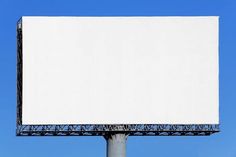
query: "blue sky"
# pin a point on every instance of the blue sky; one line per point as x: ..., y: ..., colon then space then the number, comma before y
x: 222, y: 144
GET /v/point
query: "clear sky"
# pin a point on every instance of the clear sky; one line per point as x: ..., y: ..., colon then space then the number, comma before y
x: 222, y: 144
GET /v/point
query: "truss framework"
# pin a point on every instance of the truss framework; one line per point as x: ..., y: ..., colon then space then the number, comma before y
x: 99, y: 130
x: 103, y: 130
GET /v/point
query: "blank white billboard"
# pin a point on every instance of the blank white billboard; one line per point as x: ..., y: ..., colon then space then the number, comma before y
x: 120, y: 70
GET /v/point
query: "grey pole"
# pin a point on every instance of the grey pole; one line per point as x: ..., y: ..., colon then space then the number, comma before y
x: 116, y: 145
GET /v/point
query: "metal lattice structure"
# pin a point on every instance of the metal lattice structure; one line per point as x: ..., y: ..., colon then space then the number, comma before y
x: 103, y: 130
x: 99, y: 130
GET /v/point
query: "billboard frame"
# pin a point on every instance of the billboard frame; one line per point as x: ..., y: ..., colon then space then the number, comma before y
x: 98, y: 129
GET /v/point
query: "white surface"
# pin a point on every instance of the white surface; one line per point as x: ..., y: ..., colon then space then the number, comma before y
x: 120, y: 70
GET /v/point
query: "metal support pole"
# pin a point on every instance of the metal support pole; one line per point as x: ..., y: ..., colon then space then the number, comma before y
x: 116, y: 145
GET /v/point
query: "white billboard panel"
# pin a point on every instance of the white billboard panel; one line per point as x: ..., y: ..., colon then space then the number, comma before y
x: 120, y: 70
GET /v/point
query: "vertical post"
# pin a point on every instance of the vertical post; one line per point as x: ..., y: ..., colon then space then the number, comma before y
x: 116, y: 145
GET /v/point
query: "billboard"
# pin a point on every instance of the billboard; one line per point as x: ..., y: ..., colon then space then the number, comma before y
x: 140, y: 75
